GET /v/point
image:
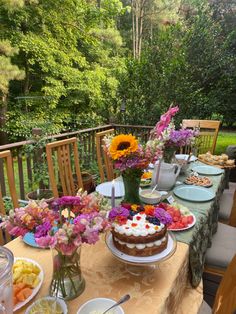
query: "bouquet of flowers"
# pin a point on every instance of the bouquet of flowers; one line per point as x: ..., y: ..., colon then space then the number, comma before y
x: 130, y: 158
x: 166, y: 138
x: 73, y: 220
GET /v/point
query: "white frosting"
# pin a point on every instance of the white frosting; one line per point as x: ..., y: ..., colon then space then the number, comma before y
x: 141, y: 246
x: 139, y: 226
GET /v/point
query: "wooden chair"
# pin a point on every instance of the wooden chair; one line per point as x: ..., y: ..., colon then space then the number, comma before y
x: 227, y: 212
x: 63, y: 164
x: 104, y: 162
x: 5, y: 156
x: 208, y: 134
x: 225, y: 300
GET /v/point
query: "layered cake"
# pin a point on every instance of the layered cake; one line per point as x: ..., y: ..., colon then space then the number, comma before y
x: 140, y: 232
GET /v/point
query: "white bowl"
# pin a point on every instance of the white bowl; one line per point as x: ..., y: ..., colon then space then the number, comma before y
x: 59, y: 301
x: 99, y: 304
x: 150, y: 198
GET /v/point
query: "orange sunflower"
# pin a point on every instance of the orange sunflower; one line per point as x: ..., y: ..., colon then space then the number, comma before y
x: 122, y: 145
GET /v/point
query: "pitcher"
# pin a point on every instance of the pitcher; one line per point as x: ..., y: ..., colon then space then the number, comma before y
x: 167, y: 176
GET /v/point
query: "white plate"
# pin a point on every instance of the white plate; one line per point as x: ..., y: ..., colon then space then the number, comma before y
x: 188, y: 227
x: 205, y: 185
x: 194, y: 193
x: 185, y: 157
x: 208, y: 170
x: 36, y: 289
x: 171, y: 247
x: 105, y: 188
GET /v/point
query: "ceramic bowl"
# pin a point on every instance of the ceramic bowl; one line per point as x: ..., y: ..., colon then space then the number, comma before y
x: 52, y: 299
x: 150, y: 198
x: 99, y: 305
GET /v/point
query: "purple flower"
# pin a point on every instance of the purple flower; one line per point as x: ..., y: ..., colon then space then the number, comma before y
x: 182, y: 137
x: 42, y: 230
x: 65, y: 201
x: 118, y: 211
x: 163, y: 216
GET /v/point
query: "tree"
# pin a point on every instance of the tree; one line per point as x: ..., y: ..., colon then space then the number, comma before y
x: 8, y: 72
x: 68, y: 56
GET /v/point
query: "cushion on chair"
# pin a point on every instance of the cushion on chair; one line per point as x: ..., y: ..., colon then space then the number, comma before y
x: 223, y: 247
x: 226, y: 204
x: 205, y: 308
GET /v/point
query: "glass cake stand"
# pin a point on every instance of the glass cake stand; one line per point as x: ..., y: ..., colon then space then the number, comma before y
x: 138, y: 265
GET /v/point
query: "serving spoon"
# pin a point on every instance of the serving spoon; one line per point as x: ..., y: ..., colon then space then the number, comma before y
x: 122, y: 300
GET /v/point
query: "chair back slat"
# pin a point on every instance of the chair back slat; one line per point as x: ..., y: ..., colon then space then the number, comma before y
x: 104, y: 162
x: 208, y: 133
x: 225, y: 300
x: 64, y: 150
x: 7, y: 158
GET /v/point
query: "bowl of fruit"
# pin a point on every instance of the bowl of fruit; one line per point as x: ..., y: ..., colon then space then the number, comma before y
x: 182, y: 217
x: 27, y: 279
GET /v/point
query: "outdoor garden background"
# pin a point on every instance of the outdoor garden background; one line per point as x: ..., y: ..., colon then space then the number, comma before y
x: 69, y: 65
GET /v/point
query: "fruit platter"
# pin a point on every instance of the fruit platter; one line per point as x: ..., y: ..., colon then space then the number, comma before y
x: 146, y: 179
x: 182, y: 217
x: 27, y: 280
x: 198, y: 180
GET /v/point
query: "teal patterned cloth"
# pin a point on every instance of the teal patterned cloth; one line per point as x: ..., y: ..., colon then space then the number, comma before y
x: 199, y: 237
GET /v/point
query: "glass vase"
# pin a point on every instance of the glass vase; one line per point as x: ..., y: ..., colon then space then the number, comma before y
x: 169, y: 155
x: 67, y: 282
x: 131, y: 179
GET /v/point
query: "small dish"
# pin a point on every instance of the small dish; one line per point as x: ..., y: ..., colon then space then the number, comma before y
x: 47, y: 300
x: 98, y: 306
x: 149, y: 197
x: 185, y: 157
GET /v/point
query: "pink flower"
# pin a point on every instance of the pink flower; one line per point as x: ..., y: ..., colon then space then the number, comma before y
x: 47, y: 241
x: 77, y: 241
x: 165, y: 120
x: 90, y: 236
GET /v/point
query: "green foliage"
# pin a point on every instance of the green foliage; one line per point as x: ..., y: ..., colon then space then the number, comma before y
x: 68, y: 56
x: 190, y: 63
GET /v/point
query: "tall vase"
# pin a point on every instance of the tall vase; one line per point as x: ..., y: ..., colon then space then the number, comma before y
x: 131, y: 179
x: 169, y: 155
x: 67, y: 282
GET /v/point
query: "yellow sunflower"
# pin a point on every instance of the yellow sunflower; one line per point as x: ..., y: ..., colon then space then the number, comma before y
x: 122, y: 145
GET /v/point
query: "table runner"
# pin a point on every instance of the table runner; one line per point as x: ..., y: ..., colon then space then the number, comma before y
x: 165, y: 291
x: 199, y: 237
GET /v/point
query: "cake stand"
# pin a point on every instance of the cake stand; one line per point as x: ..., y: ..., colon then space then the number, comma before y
x: 138, y: 265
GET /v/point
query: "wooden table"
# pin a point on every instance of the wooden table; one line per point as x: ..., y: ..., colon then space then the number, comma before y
x: 166, y: 290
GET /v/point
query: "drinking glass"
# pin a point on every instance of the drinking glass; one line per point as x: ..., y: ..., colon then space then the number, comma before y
x: 6, y: 290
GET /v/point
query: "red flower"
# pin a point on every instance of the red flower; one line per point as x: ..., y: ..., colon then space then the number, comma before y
x: 121, y: 220
x: 149, y: 210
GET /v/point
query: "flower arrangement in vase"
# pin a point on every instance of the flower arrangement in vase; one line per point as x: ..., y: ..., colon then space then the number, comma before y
x: 130, y: 158
x: 165, y: 137
x: 73, y: 220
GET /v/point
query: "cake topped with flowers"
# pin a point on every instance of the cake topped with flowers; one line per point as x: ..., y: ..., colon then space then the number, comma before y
x: 139, y: 230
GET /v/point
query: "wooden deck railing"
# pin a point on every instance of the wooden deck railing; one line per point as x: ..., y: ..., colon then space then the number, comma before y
x: 24, y: 163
